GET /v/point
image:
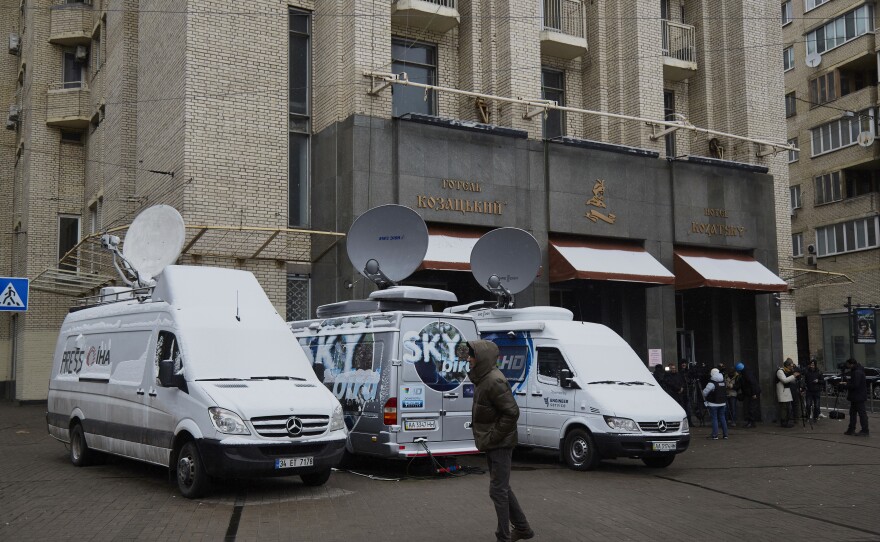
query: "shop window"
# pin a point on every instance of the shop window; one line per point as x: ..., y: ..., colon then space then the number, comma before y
x: 298, y: 305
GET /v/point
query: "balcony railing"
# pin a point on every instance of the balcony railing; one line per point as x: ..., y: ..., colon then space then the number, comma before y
x: 564, y: 16
x: 68, y: 105
x: 71, y: 23
x: 679, y: 41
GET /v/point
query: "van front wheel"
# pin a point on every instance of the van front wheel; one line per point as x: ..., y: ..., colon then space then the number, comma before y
x: 579, y: 451
x: 192, y: 480
x: 316, y: 478
x: 80, y: 454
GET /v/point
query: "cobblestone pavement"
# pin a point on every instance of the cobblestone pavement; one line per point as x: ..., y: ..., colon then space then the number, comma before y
x: 763, y: 484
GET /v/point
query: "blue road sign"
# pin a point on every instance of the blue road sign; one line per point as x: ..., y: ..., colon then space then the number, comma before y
x: 14, y: 294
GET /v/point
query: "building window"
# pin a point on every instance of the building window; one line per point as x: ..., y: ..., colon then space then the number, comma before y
x: 823, y: 89
x: 838, y: 31
x: 72, y: 71
x: 797, y: 245
x: 419, y: 62
x: 96, y: 52
x: 788, y: 58
x: 812, y: 4
x: 793, y: 156
x: 669, y: 114
x: 841, y: 132
x: 68, y: 237
x: 847, y: 236
x: 299, y: 118
x: 860, y: 182
x: 828, y: 188
x: 786, y: 13
x: 553, y: 88
x: 790, y: 105
x: 297, y: 298
x: 795, y: 195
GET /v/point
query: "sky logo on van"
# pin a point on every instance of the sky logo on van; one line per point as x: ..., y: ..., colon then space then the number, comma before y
x: 439, y: 354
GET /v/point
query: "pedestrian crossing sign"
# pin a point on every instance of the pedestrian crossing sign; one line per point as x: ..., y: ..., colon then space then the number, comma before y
x: 14, y: 294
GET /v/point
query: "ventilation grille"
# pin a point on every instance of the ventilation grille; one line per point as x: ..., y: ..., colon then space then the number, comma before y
x: 654, y: 427
x: 231, y: 385
x: 276, y: 426
x: 304, y: 385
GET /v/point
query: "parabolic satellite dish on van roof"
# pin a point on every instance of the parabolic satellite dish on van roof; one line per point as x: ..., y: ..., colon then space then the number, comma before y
x: 387, y: 243
x: 154, y: 240
x: 510, y: 254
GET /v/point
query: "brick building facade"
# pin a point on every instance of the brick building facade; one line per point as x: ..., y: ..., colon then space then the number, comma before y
x: 126, y: 104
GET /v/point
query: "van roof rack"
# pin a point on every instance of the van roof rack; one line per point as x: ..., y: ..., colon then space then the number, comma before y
x: 113, y: 294
x: 395, y: 298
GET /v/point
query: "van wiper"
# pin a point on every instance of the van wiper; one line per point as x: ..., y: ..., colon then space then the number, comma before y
x: 636, y: 383
x: 277, y: 378
x: 216, y: 379
x: 605, y: 382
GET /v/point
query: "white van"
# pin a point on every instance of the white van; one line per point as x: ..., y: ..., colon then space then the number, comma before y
x: 581, y: 389
x: 399, y: 370
x: 198, y: 374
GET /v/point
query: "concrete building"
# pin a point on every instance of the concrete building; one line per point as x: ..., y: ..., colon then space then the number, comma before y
x: 125, y: 104
x: 830, y: 62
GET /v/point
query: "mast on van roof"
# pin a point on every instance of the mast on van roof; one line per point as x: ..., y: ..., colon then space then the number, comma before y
x: 153, y: 242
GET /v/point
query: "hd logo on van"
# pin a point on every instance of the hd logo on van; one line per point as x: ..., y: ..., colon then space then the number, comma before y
x: 514, y: 357
x: 439, y: 354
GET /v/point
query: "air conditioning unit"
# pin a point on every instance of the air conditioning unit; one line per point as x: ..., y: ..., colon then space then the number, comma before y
x: 82, y: 53
x: 11, y: 125
x: 14, y: 44
x: 811, y: 259
x: 14, y: 113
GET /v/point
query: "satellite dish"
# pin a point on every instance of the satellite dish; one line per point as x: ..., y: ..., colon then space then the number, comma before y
x: 813, y: 60
x: 387, y: 243
x: 506, y: 261
x: 865, y: 139
x: 154, y: 241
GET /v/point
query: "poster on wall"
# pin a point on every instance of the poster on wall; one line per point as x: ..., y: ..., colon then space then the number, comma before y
x: 865, y: 326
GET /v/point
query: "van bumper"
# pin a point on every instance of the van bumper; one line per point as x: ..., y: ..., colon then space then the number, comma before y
x: 256, y: 460
x: 610, y: 446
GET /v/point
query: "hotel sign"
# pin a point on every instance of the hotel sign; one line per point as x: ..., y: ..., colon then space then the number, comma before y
x: 713, y: 228
x: 458, y: 204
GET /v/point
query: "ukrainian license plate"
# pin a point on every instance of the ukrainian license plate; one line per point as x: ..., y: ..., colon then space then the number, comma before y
x: 419, y: 425
x: 292, y: 462
x: 663, y: 446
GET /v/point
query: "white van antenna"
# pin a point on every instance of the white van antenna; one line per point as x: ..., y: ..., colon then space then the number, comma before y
x: 387, y: 244
x: 153, y: 242
x: 506, y: 261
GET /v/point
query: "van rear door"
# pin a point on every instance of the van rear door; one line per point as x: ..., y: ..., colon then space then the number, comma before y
x: 434, y: 398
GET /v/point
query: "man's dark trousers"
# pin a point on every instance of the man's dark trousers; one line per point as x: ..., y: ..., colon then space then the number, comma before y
x: 506, y: 506
x: 858, y: 407
x: 751, y: 410
x: 812, y: 404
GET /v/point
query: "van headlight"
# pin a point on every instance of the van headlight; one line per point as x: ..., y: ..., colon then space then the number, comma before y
x: 337, y: 421
x: 622, y: 424
x: 685, y: 428
x: 227, y: 421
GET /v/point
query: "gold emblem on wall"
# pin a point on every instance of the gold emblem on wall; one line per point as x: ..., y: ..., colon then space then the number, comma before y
x: 598, y: 200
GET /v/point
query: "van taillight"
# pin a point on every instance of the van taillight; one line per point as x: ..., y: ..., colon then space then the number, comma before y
x: 389, y: 412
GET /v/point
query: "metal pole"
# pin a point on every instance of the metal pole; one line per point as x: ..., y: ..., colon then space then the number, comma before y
x: 849, y: 316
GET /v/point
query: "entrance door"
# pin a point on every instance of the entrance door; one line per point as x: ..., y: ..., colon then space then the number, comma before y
x: 550, y: 405
x: 686, y: 346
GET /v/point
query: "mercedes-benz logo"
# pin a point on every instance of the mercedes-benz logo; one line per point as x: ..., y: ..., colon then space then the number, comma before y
x: 660, y: 426
x: 295, y: 426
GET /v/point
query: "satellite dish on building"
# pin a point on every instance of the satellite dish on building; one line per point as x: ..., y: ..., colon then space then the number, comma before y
x: 865, y: 139
x: 505, y: 262
x: 153, y: 242
x: 387, y: 243
x: 813, y: 60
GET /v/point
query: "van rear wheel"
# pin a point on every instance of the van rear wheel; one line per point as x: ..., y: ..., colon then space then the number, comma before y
x: 579, y: 450
x: 658, y: 462
x: 316, y: 478
x: 192, y: 480
x: 80, y: 454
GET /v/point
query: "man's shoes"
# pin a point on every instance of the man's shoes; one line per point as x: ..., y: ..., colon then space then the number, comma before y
x: 520, y: 534
x: 714, y: 438
x: 849, y: 432
x: 748, y: 425
x: 725, y: 437
x: 862, y: 433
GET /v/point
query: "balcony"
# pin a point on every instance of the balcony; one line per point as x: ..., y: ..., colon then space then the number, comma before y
x: 70, y: 23
x: 679, y: 50
x: 563, y: 35
x: 67, y: 105
x: 439, y: 16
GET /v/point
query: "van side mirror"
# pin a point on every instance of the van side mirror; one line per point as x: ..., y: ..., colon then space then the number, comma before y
x: 565, y: 379
x: 167, y: 378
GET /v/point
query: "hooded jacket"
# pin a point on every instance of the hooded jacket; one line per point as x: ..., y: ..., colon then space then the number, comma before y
x: 715, y: 391
x: 495, y: 412
x: 856, y: 384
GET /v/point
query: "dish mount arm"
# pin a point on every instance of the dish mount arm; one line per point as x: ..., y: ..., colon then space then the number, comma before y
x: 374, y: 273
x: 502, y: 294
x: 129, y: 274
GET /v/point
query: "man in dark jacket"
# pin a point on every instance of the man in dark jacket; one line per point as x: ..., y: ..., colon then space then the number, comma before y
x: 494, y: 418
x: 750, y: 391
x: 813, y: 383
x: 856, y: 394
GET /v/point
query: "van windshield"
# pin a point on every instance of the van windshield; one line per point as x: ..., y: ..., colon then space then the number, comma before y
x: 607, y: 364
x: 243, y: 353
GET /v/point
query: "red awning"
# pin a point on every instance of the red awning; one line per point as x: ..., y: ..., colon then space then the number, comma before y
x: 700, y: 268
x: 449, y: 249
x: 604, y: 260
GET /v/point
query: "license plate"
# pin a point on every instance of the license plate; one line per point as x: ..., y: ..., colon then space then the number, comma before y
x: 663, y: 446
x: 292, y: 462
x: 419, y: 425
